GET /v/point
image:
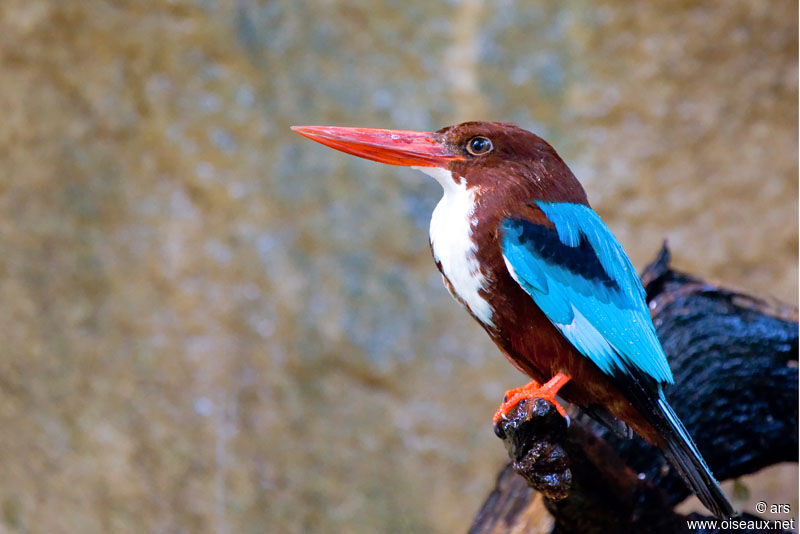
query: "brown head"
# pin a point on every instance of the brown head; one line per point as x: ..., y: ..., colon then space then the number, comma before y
x: 501, y: 159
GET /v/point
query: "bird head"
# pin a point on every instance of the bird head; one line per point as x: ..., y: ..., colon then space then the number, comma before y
x: 491, y: 156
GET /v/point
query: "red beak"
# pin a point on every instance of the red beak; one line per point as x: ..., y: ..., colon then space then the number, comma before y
x: 395, y: 147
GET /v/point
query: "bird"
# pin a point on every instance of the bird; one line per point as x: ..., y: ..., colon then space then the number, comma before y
x: 519, y: 246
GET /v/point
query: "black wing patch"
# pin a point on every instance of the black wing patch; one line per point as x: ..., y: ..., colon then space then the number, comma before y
x: 581, y: 260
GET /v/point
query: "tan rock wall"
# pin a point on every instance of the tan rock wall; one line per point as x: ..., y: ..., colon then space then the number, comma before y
x: 211, y: 324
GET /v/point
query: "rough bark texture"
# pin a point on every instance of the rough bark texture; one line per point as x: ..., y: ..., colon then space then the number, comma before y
x: 734, y: 358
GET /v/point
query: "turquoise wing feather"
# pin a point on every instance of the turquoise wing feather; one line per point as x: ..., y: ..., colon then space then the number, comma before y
x: 581, y: 278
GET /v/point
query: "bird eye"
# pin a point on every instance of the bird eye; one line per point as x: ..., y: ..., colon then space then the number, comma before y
x: 478, y: 146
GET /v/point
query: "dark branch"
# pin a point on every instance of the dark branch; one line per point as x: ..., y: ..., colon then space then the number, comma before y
x: 734, y: 358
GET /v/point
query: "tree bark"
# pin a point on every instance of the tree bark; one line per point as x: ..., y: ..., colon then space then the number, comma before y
x: 734, y: 358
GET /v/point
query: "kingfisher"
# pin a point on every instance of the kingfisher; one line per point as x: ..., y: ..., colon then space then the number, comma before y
x: 521, y: 249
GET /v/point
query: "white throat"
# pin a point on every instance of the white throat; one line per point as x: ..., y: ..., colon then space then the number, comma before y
x: 452, y: 243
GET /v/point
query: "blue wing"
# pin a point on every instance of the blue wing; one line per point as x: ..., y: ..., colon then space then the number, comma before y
x: 580, y: 277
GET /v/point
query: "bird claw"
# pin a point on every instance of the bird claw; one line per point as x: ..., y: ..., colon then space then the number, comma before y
x: 532, y: 390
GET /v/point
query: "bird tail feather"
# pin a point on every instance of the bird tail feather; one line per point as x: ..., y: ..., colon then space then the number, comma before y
x: 682, y: 453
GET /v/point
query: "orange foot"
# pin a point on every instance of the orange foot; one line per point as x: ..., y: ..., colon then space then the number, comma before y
x: 533, y: 390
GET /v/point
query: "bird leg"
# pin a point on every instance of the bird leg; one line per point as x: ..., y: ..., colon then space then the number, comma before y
x: 533, y: 390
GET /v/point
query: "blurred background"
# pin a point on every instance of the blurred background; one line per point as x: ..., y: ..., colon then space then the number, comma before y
x: 212, y: 324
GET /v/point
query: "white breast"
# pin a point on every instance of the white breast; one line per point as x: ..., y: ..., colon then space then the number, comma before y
x: 453, y: 247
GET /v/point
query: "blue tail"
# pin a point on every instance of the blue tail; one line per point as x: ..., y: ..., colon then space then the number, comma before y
x: 682, y: 453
